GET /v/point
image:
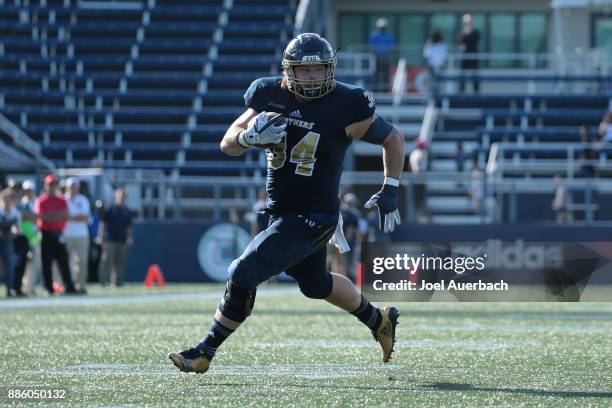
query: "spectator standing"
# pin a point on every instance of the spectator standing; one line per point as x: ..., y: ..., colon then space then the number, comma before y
x: 605, y: 128
x: 31, y: 275
x: 21, y: 243
x: 418, y: 164
x: 352, y: 231
x: 560, y: 200
x: 418, y: 156
x: 95, y: 244
x: 375, y: 234
x: 468, y: 44
x: 435, y: 52
x: 460, y: 158
x: 21, y: 246
x: 258, y: 218
x: 382, y: 43
x: 77, y: 231
x: 52, y: 212
x: 117, y: 223
x: 476, y: 192
x: 9, y: 221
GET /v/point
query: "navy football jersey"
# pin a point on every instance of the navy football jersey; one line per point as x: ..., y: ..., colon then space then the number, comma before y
x: 304, y: 169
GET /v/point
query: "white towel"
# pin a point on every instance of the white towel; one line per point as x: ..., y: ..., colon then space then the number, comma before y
x: 338, y: 239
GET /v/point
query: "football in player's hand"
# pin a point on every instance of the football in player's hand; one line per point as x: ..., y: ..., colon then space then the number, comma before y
x: 269, y: 116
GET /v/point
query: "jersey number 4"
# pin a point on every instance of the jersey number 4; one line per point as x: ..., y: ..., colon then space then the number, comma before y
x: 302, y: 154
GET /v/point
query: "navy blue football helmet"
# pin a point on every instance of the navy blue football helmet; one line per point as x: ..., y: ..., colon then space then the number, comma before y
x: 310, y: 49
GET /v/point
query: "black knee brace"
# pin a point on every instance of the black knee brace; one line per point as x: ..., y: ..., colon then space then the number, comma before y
x: 237, y: 302
x: 316, y: 290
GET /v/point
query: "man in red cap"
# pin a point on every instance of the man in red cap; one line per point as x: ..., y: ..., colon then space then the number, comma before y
x: 52, y: 212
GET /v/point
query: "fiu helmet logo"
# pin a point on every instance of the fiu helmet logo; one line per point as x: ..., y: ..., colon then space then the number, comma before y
x: 311, y: 58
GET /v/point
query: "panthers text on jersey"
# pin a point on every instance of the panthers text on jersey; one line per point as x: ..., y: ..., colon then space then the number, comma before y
x: 304, y: 169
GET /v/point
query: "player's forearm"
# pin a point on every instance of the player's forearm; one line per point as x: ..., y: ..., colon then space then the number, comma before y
x: 229, y: 144
x: 393, y: 154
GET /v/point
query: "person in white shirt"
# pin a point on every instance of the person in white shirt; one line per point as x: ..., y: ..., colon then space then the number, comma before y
x: 77, y: 231
x: 605, y: 128
x: 435, y: 52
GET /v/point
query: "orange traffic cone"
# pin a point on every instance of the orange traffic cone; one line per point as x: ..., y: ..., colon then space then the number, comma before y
x: 154, y: 276
x: 57, y: 288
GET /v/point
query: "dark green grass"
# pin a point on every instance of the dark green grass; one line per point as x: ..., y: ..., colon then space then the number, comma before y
x: 299, y: 352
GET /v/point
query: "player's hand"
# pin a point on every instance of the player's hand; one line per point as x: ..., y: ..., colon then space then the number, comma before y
x: 267, y: 128
x: 386, y: 202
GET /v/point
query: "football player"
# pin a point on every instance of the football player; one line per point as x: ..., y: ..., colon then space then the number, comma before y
x: 305, y: 120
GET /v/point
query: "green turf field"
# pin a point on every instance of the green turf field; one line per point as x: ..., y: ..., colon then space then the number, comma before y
x: 109, y: 349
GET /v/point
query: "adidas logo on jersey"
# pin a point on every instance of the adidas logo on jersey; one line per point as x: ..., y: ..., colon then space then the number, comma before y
x: 296, y: 114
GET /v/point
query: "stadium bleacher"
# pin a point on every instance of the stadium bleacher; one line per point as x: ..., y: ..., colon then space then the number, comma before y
x: 537, y: 136
x: 149, y: 84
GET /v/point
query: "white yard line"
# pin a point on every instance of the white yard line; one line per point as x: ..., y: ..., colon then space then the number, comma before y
x: 413, y: 344
x: 298, y: 370
x: 80, y: 301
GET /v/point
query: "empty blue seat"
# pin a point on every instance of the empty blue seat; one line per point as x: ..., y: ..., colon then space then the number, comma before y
x: 260, y: 12
x: 223, y: 99
x: 143, y: 81
x: 220, y: 83
x: 85, y: 15
x: 105, y: 29
x: 179, y: 31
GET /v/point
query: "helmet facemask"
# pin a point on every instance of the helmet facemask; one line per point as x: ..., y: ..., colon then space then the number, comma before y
x: 306, y: 88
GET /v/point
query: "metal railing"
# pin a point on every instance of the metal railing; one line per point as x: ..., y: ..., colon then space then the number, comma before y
x: 429, y: 121
x: 579, y: 63
x: 506, y: 192
x: 532, y: 73
x: 398, y: 90
x: 567, y: 162
x: 358, y: 65
x: 157, y: 196
x: 569, y: 166
x: 498, y: 66
x: 584, y: 63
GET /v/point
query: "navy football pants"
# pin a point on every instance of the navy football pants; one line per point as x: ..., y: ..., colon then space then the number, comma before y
x: 294, y: 243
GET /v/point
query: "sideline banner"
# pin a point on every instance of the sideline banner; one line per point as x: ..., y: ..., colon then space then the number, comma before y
x: 185, y: 252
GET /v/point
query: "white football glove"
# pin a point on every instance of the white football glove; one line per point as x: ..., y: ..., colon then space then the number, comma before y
x: 266, y: 128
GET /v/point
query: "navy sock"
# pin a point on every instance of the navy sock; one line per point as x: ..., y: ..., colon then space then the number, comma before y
x: 368, y: 314
x: 216, y: 336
